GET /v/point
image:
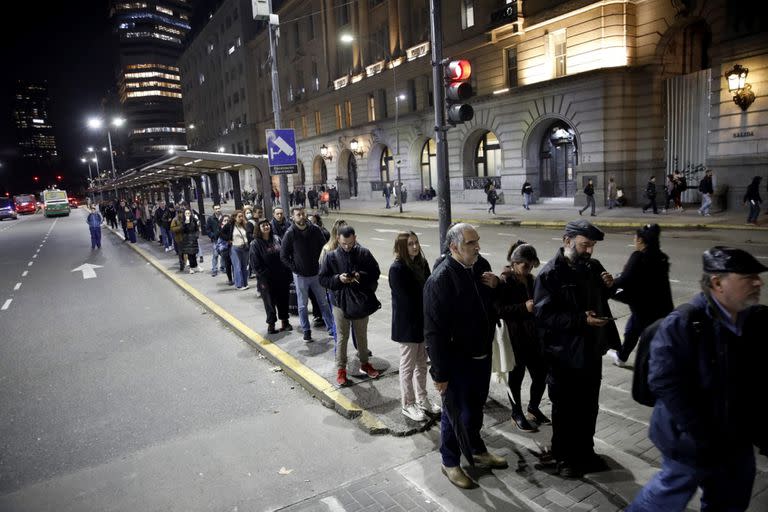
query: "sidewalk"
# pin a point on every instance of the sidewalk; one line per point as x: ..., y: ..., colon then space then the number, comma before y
x: 375, y: 406
x: 551, y: 214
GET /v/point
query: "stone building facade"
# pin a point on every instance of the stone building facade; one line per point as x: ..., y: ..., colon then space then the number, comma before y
x: 565, y: 91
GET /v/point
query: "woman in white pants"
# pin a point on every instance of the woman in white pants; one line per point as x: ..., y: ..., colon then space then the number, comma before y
x: 407, y: 276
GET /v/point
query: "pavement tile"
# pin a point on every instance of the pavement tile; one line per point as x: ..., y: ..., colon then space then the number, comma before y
x: 581, y: 492
x: 404, y: 500
x: 383, y: 498
x: 362, y: 497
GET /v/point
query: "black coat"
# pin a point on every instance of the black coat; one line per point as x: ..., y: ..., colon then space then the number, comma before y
x: 264, y: 257
x: 645, y: 286
x: 301, y: 249
x: 190, y: 231
x: 338, y: 262
x: 510, y: 306
x: 562, y: 296
x: 407, y: 303
x: 459, y: 319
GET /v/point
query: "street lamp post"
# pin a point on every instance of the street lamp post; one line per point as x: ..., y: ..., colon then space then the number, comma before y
x: 90, y: 176
x: 96, y: 123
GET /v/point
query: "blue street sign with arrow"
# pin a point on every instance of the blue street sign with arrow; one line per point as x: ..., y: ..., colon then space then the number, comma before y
x: 281, y: 149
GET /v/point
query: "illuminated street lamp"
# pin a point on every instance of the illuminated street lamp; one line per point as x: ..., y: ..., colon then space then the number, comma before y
x: 96, y: 123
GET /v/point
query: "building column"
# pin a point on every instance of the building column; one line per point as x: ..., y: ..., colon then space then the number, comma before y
x: 363, y: 33
x: 185, y: 187
x: 235, y: 175
x: 200, y: 196
x: 215, y: 195
x: 404, y: 26
x: 331, y: 39
x: 394, y: 29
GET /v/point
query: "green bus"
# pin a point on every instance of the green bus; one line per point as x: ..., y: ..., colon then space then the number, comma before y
x: 55, y: 203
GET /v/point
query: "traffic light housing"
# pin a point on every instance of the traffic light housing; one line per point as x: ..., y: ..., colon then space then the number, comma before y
x: 457, y: 91
x: 59, y: 177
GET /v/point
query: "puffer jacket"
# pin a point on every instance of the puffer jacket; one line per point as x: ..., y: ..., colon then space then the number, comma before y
x: 190, y: 231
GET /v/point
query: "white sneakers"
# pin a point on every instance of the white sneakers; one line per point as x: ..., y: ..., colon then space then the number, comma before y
x: 419, y: 410
x: 616, y: 361
x: 413, y: 412
x: 428, y: 407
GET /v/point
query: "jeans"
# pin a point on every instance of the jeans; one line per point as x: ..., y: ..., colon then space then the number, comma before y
x: 167, y: 237
x: 239, y: 257
x: 303, y: 285
x: 342, y: 329
x: 706, y: 204
x: 214, y: 258
x: 526, y: 201
x: 590, y: 202
x: 725, y: 487
x: 754, y: 212
x: 632, y: 332
x: 95, y: 237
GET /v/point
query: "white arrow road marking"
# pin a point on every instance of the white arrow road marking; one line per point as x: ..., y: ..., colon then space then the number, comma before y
x: 7, y: 303
x: 18, y: 285
x: 88, y: 270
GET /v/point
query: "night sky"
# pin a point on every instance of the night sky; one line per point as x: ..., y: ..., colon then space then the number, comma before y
x: 69, y: 45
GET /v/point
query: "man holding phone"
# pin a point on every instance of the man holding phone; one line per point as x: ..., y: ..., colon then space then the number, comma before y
x: 576, y: 328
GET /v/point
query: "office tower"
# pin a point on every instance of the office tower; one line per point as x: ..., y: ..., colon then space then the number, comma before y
x: 34, y: 130
x: 150, y: 38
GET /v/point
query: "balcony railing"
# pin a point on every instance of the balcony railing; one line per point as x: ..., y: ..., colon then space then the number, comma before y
x: 480, y: 182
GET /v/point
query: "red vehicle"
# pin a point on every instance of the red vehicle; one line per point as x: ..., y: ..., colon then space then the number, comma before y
x: 72, y: 202
x: 25, y: 203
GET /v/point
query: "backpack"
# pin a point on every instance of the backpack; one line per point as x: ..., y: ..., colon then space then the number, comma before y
x: 641, y: 391
x: 683, y: 186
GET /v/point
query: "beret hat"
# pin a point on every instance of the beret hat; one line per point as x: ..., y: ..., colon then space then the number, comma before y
x: 584, y: 228
x: 723, y: 260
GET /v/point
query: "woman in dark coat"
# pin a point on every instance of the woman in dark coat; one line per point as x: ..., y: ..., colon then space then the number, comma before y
x: 753, y: 200
x: 224, y: 244
x: 407, y: 276
x: 515, y: 306
x: 644, y: 286
x: 189, y: 246
x: 273, y: 277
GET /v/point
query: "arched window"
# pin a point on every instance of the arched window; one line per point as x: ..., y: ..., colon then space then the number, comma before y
x: 429, y: 164
x: 386, y: 165
x: 488, y: 156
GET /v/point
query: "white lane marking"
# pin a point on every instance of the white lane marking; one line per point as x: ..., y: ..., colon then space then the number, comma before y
x: 485, y: 253
x: 333, y: 504
x: 18, y: 285
x: 509, y: 234
x: 30, y: 263
x: 392, y: 231
x: 384, y: 277
x: 41, y: 245
x: 6, y: 305
x: 674, y: 281
x: 37, y: 251
x: 34, y: 256
x: 630, y: 245
x: 762, y: 257
x: 378, y: 239
x: 24, y: 274
x: 426, y: 245
x: 558, y: 239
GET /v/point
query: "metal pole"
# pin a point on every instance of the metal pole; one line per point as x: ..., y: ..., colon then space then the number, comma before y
x: 274, y: 26
x: 397, y: 149
x: 443, y: 184
x: 112, y: 159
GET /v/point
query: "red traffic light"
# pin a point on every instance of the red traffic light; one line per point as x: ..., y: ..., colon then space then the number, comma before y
x: 459, y: 70
x: 59, y: 177
x: 36, y: 178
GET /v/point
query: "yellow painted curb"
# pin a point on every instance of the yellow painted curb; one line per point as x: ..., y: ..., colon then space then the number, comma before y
x: 306, y: 376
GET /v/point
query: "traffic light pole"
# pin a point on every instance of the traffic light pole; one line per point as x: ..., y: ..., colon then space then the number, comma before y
x: 274, y: 26
x: 443, y: 182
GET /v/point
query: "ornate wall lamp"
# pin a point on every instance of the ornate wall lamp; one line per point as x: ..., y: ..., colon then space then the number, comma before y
x: 354, y: 146
x: 325, y: 153
x: 737, y: 84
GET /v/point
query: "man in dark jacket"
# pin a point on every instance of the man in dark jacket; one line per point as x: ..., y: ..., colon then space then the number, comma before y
x: 575, y: 325
x: 279, y: 223
x: 706, y: 188
x: 300, y: 252
x: 708, y: 377
x: 650, y: 194
x: 459, y: 322
x: 213, y: 228
x: 350, y: 272
x: 589, y: 192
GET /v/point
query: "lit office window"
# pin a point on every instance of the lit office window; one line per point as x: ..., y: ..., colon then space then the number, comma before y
x: 348, y: 112
x: 467, y: 14
x: 164, y: 10
x: 338, y: 116
x: 136, y: 94
x: 153, y: 74
x: 152, y: 83
x: 318, y: 125
x: 557, y: 51
x: 371, y: 108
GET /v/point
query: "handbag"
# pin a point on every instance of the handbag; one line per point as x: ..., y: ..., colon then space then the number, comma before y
x: 222, y: 246
x: 129, y: 224
x: 503, y: 359
x: 357, y: 303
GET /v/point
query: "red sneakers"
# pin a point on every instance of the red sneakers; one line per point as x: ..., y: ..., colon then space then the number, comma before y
x: 369, y: 370
x: 341, y: 377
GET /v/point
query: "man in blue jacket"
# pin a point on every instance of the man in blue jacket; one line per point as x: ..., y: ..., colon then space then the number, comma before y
x: 94, y: 221
x: 705, y: 372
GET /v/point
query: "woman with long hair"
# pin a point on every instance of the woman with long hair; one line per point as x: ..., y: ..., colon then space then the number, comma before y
x: 407, y: 276
x: 189, y: 244
x: 239, y: 251
x: 644, y: 285
x: 272, y: 276
x: 515, y: 306
x: 224, y: 245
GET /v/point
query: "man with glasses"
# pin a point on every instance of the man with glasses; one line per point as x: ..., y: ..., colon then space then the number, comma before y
x: 300, y: 252
x: 213, y: 227
x: 576, y: 328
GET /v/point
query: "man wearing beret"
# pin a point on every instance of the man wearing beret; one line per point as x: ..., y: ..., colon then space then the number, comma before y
x: 705, y: 370
x: 576, y: 328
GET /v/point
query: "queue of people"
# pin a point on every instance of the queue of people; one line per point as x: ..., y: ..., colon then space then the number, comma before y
x: 703, y: 364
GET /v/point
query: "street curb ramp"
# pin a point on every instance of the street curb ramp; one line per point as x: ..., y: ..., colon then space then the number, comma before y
x: 328, y: 394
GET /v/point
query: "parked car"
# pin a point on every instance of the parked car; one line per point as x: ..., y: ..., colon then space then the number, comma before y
x: 25, y: 203
x: 72, y: 202
x: 7, y: 209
